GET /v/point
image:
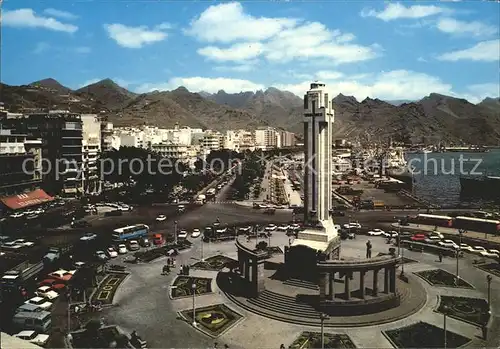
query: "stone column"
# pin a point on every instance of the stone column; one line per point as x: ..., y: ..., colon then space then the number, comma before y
x: 362, y: 283
x: 392, y: 286
x: 332, y: 286
x: 323, y: 281
x: 375, y: 282
x: 247, y: 269
x: 241, y: 262
x: 347, y: 284
x: 259, y: 277
x: 387, y: 277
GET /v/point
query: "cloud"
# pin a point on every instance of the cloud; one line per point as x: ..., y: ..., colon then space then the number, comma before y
x: 474, y: 28
x: 228, y: 23
x: 196, y: 84
x: 328, y: 75
x: 395, y: 11
x: 274, y: 39
x: 41, y: 47
x: 392, y: 85
x: 61, y: 14
x: 486, y: 51
x: 242, y: 68
x: 27, y: 18
x: 476, y: 93
x: 83, y: 49
x: 89, y: 82
x: 135, y: 37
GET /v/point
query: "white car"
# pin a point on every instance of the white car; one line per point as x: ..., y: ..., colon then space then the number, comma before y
x: 465, y: 247
x: 295, y: 226
x: 122, y: 249
x: 33, y: 337
x: 284, y: 227
x: 271, y: 227
x: 161, y: 218
x: 182, y: 234
x: 355, y: 225
x: 448, y: 243
x: 46, y: 292
x: 478, y: 249
x: 79, y: 264
x: 88, y: 237
x: 17, y: 215
x: 490, y: 253
x: 246, y: 229
x: 375, y: 232
x: 40, y: 302
x: 24, y: 243
x: 196, y: 233
x: 111, y: 252
x: 221, y: 230
x: 436, y: 233
x: 433, y: 239
x: 390, y: 234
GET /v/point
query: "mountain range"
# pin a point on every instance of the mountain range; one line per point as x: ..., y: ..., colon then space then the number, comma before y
x: 435, y: 118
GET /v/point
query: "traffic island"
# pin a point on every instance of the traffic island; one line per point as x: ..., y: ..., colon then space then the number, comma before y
x: 474, y: 311
x: 213, y: 320
x: 424, y: 335
x: 308, y: 340
x: 441, y: 278
x: 215, y: 263
x: 183, y: 286
x: 103, y: 337
x: 106, y: 290
x: 492, y: 268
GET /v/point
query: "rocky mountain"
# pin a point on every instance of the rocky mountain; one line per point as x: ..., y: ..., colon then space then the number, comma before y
x: 435, y: 118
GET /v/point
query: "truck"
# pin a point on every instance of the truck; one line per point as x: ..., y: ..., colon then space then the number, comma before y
x: 55, y: 253
x: 201, y: 199
x: 210, y: 193
x: 17, y: 276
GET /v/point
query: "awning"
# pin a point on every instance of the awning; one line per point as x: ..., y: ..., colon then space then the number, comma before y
x: 32, y: 198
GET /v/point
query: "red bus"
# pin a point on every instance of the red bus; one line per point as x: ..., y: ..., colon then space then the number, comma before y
x: 477, y: 224
x: 429, y: 219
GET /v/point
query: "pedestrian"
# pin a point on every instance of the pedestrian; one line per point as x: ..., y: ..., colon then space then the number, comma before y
x: 440, y: 255
x: 282, y: 346
x: 215, y: 345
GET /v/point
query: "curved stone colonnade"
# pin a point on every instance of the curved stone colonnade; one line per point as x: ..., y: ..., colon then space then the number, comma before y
x: 362, y: 295
x: 251, y: 268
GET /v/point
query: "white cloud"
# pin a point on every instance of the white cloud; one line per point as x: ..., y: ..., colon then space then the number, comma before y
x: 89, y: 82
x: 476, y: 93
x: 392, y: 85
x: 41, y: 47
x: 83, y: 49
x: 475, y: 28
x: 242, y: 68
x: 196, y: 84
x: 134, y: 37
x: 486, y: 51
x: 395, y: 11
x: 27, y: 18
x: 61, y: 14
x: 328, y: 75
x: 275, y: 39
x: 228, y: 23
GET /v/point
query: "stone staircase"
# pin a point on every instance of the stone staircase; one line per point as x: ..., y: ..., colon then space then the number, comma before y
x: 301, y: 284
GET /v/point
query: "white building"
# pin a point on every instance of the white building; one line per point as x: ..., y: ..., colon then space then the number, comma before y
x: 239, y: 140
x: 91, y: 144
x: 211, y: 140
x: 266, y: 138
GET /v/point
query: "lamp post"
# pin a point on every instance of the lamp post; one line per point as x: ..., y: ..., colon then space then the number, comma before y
x: 202, y: 243
x: 323, y: 317
x: 193, y: 288
x: 402, y: 262
x: 175, y: 232
x: 445, y: 312
x: 488, y: 280
x: 69, y: 310
x: 399, y: 237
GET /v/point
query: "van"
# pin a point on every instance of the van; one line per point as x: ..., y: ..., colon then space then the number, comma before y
x: 29, y: 308
x: 39, y: 321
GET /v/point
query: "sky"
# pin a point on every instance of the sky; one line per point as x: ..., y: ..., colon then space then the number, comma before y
x: 388, y: 50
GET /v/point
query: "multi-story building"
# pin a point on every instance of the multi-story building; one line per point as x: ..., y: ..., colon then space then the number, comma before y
x: 287, y: 139
x: 211, y: 140
x: 106, y: 135
x: 266, y: 138
x: 239, y: 140
x: 175, y: 151
x: 61, y: 134
x: 91, y: 142
x: 20, y: 163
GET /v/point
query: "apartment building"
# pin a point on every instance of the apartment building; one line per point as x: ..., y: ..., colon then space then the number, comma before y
x: 91, y: 143
x: 61, y: 135
x: 286, y: 139
x: 106, y: 135
x: 211, y: 140
x: 266, y: 138
x: 239, y: 140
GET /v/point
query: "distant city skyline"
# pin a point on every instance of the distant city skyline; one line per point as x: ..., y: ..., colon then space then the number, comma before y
x: 391, y: 51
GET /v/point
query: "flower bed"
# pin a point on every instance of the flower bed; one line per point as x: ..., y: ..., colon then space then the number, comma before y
x: 214, y: 319
x: 424, y: 335
x: 471, y: 310
x: 493, y: 268
x: 440, y: 277
x: 308, y: 340
x: 214, y: 263
x: 182, y: 286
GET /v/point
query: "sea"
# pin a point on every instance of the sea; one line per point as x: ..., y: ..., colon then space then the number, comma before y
x: 437, y: 175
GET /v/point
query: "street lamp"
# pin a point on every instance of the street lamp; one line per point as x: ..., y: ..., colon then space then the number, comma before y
x: 399, y: 237
x: 457, y: 254
x: 402, y: 260
x: 445, y: 312
x: 202, y: 242
x: 323, y: 317
x: 175, y: 232
x: 193, y: 288
x: 488, y: 279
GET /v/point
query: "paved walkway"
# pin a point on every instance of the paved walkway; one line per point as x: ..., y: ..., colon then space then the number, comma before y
x: 293, y: 195
x: 143, y: 303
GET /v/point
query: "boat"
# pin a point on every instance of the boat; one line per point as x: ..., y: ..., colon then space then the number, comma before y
x: 487, y: 187
x: 397, y: 167
x: 471, y: 149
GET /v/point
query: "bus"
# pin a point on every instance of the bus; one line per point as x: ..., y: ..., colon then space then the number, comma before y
x: 477, y: 224
x: 130, y: 232
x: 429, y: 219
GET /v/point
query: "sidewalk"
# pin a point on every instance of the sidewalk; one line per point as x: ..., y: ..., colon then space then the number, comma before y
x: 265, y: 184
x: 293, y: 195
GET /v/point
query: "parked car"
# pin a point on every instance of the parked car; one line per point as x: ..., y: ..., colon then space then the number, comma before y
x: 490, y: 253
x: 433, y: 239
x: 271, y: 227
x: 246, y: 229
x: 133, y: 245
x: 62, y: 275
x: 88, y: 237
x: 284, y: 227
x: 46, y: 292
x: 101, y: 255
x: 182, y: 234
x: 478, y: 249
x: 161, y: 218
x: 24, y: 243
x: 55, y: 285
x: 376, y: 232
x: 196, y: 233
x: 144, y: 242
x: 465, y: 247
x: 221, y: 230
x: 33, y: 337
x: 122, y: 249
x: 181, y: 208
x: 40, y: 302
x: 448, y: 243
x: 111, y: 252
x: 436, y: 233
x: 295, y: 226
x: 158, y: 239
x: 418, y: 238
x: 80, y: 224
